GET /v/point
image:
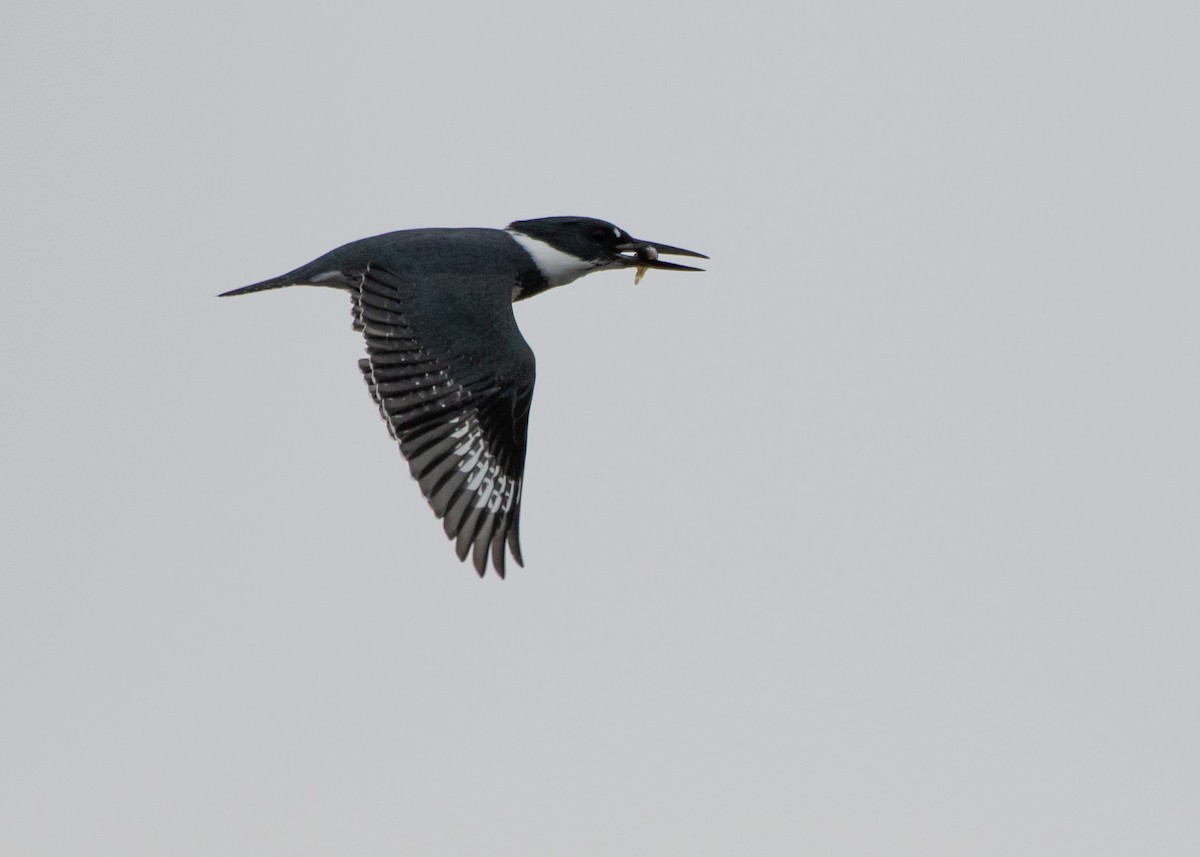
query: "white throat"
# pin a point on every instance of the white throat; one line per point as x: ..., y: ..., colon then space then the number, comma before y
x: 557, y: 267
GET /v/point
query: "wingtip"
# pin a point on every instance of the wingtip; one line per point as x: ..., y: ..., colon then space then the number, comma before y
x: 498, y: 554
x: 479, y: 558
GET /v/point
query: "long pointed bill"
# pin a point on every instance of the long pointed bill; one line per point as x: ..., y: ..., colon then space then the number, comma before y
x: 668, y: 250
x: 645, y: 256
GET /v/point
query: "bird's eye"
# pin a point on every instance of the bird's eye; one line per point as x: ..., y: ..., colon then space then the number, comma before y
x: 602, y: 235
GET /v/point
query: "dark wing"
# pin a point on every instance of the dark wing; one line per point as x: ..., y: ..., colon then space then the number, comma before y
x: 453, y: 379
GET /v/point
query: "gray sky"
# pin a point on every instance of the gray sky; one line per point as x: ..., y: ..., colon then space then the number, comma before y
x: 879, y: 538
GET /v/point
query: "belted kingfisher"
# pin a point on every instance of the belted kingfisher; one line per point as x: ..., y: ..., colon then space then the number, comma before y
x: 446, y: 364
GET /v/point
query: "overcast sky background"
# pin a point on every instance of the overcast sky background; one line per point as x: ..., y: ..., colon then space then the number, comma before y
x: 879, y: 538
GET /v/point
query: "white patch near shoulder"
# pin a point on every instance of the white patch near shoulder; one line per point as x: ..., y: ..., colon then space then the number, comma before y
x: 557, y: 267
x: 330, y: 276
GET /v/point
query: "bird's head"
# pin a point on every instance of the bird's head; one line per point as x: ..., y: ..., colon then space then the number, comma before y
x: 566, y: 248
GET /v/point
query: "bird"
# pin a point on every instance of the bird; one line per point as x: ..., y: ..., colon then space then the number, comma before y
x: 446, y: 364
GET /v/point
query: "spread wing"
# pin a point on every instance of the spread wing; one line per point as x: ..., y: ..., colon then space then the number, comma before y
x: 453, y: 379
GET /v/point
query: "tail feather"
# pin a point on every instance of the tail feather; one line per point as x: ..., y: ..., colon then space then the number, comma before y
x: 273, y: 283
x: 309, y: 275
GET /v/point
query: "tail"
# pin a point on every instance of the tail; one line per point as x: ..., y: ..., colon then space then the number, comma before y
x: 273, y: 283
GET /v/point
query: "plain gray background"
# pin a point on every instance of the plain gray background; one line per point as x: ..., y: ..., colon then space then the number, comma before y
x: 879, y: 538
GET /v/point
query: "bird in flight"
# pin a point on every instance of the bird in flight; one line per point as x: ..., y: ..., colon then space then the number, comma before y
x: 446, y: 364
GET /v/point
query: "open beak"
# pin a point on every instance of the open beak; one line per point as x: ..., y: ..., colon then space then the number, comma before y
x: 644, y: 254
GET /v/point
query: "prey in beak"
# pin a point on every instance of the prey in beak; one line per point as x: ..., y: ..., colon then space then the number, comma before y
x: 644, y: 255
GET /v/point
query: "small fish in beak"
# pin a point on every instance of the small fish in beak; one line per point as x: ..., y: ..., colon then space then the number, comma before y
x: 644, y: 255
x: 648, y: 254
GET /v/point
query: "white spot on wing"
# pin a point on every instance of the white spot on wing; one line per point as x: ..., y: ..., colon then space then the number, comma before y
x: 493, y: 490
